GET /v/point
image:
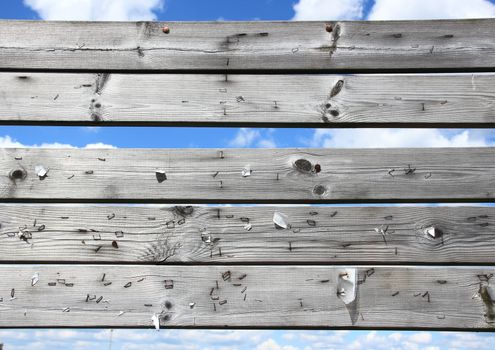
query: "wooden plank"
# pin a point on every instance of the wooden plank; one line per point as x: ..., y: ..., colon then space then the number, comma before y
x: 246, y: 234
x: 384, y: 45
x: 246, y: 296
x: 248, y: 175
x: 263, y: 100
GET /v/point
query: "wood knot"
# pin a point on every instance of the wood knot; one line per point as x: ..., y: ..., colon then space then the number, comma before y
x: 337, y: 88
x: 303, y: 165
x: 319, y: 190
x: 17, y: 174
x: 95, y: 110
x: 184, y: 210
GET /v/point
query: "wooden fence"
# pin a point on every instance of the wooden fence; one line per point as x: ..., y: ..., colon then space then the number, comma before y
x: 90, y: 262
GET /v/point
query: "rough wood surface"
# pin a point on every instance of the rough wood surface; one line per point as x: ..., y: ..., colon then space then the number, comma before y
x: 384, y: 45
x: 278, y: 100
x: 247, y: 234
x: 248, y: 175
x: 246, y: 296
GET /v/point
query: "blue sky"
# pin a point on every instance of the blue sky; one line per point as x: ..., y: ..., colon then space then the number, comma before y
x: 195, y: 10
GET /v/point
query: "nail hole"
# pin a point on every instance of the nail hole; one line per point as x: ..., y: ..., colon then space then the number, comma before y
x: 433, y: 232
x: 17, y: 174
x: 160, y: 176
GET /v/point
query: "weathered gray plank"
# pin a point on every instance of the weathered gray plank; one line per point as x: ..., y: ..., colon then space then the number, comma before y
x: 290, y: 100
x: 246, y: 296
x: 399, y: 45
x: 248, y: 175
x: 48, y: 233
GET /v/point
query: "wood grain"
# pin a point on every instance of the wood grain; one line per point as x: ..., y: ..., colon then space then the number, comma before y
x: 246, y: 296
x: 248, y: 175
x: 248, y: 100
x: 246, y: 234
x: 255, y: 46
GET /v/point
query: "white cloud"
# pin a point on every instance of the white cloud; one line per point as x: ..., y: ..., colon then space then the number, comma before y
x: 383, y: 138
x: 431, y: 9
x: 271, y: 344
x: 58, y: 334
x: 96, y: 10
x: 308, y: 10
x: 222, y: 336
x: 159, y: 346
x: 395, y: 336
x: 130, y: 335
x: 335, y: 337
x: 37, y: 345
x: 184, y: 339
x: 289, y: 336
x: 8, y: 142
x: 98, y: 145
x: 13, y: 335
x: 168, y: 339
x: 392, y: 9
x: 375, y: 338
x: 355, y: 345
x: 421, y: 338
x: 469, y: 341
x: 91, y: 129
x: 247, y: 137
x: 267, y: 143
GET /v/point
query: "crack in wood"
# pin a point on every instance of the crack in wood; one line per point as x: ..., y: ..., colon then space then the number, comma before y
x: 335, y: 37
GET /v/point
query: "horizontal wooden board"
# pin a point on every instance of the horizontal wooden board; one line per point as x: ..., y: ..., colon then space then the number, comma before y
x: 275, y: 46
x: 246, y: 296
x: 246, y: 234
x: 263, y: 100
x: 248, y: 175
